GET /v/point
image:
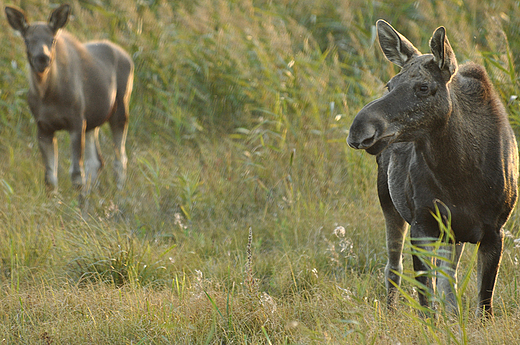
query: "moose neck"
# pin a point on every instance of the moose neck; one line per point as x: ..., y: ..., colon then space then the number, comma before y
x: 452, y: 147
x: 42, y: 82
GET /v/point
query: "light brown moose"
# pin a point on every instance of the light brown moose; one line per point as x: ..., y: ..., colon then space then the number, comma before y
x: 75, y: 87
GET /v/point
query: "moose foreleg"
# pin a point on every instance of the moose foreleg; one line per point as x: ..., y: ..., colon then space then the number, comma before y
x: 395, y: 234
x: 422, y: 262
x: 49, y: 149
x: 396, y: 228
x: 447, y: 274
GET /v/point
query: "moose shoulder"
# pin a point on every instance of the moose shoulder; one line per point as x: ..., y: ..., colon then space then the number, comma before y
x: 75, y: 87
x: 440, y: 134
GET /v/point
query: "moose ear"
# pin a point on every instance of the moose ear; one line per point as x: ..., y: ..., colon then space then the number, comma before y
x: 17, y: 19
x: 443, y: 54
x: 395, y: 46
x: 59, y: 17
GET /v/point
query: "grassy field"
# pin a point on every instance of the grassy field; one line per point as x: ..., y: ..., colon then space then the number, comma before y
x: 246, y: 219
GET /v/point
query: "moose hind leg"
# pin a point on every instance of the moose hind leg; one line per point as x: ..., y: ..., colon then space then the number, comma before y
x: 119, y: 127
x: 489, y: 256
x: 93, y: 160
x: 49, y: 150
x: 77, y: 145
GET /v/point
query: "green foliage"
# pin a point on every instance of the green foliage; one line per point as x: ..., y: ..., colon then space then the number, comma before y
x: 238, y: 122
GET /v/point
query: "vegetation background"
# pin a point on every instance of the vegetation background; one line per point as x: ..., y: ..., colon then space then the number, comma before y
x: 246, y: 219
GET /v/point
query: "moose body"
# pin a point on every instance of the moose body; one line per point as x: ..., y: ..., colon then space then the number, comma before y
x: 441, y: 136
x: 75, y: 87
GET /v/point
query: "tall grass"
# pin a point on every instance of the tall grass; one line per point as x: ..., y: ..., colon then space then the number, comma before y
x: 245, y: 218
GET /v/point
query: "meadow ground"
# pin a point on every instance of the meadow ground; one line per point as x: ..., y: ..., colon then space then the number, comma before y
x: 245, y: 219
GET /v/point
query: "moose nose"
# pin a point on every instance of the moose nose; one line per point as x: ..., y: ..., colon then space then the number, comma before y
x: 353, y: 144
x: 41, y: 62
x: 363, y: 144
x: 361, y: 135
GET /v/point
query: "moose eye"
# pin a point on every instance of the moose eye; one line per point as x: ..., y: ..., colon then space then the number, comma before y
x: 423, y: 88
